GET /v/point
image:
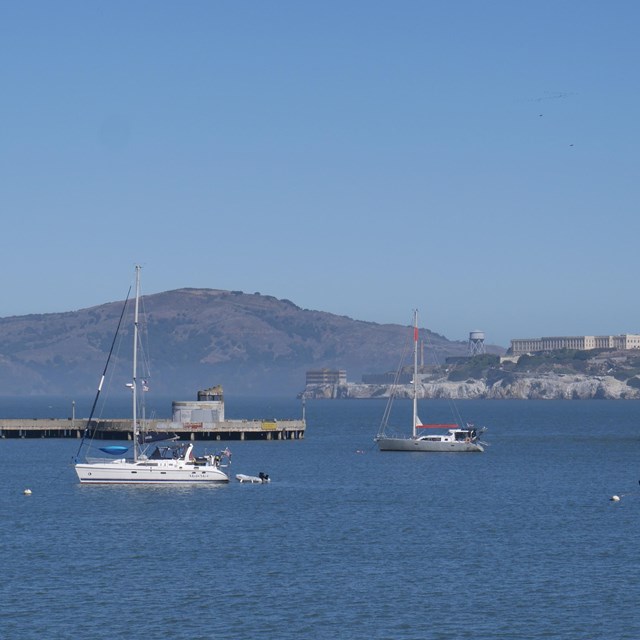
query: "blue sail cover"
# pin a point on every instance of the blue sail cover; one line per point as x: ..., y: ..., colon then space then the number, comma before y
x: 115, y: 449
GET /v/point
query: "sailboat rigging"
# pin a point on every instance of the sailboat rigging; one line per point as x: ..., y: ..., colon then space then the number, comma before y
x: 167, y: 464
x: 455, y: 437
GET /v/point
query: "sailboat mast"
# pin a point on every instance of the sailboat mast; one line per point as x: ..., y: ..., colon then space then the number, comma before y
x: 415, y: 371
x: 134, y: 382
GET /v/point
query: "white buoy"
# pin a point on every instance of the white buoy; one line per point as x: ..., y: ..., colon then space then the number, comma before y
x: 615, y: 498
x: 27, y: 492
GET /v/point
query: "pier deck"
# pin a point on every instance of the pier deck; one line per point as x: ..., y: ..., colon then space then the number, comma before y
x: 115, y: 429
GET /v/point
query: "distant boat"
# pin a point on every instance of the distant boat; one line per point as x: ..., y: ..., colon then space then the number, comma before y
x: 172, y: 463
x: 445, y: 437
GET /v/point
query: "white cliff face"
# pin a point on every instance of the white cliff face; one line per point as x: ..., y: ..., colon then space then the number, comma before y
x: 565, y: 387
x: 544, y: 387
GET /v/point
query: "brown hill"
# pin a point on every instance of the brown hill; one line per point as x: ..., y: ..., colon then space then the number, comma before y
x: 250, y: 343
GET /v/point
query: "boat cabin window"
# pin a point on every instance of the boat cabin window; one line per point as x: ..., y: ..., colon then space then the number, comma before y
x: 166, y: 453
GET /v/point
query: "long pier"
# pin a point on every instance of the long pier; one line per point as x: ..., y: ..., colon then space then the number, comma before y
x: 116, y: 429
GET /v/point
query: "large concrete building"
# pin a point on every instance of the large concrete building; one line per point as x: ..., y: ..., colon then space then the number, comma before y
x: 581, y: 343
x: 208, y: 408
x: 326, y: 376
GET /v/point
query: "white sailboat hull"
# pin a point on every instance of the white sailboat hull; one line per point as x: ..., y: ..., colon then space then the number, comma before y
x: 145, y: 472
x: 417, y: 444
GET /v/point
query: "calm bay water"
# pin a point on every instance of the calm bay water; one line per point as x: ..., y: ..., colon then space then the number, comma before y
x: 346, y: 542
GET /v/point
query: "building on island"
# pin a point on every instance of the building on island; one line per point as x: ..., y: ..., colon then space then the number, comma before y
x: 326, y: 376
x: 581, y: 343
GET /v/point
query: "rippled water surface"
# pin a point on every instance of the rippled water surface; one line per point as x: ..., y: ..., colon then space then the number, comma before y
x: 346, y: 542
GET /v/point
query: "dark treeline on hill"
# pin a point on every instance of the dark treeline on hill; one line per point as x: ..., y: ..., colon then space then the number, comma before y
x: 251, y: 344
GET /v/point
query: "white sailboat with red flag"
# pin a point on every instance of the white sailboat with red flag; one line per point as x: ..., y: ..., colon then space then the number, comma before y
x: 453, y: 437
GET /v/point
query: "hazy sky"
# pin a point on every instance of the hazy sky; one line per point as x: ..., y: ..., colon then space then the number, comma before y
x: 477, y: 160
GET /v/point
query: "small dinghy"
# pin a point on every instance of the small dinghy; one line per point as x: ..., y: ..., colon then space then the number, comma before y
x: 261, y: 478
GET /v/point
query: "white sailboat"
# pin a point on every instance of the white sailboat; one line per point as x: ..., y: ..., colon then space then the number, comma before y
x: 445, y: 437
x: 167, y: 464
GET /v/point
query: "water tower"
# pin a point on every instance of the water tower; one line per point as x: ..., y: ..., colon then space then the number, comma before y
x: 476, y: 343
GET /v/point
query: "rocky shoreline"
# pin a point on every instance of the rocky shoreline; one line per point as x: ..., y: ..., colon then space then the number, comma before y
x: 542, y: 387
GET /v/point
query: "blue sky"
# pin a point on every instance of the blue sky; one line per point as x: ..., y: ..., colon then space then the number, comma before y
x: 476, y: 160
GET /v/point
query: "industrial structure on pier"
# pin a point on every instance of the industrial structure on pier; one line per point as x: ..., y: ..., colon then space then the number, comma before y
x: 201, y: 419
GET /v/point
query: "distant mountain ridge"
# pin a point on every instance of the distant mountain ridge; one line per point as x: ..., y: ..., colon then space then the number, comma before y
x: 251, y: 344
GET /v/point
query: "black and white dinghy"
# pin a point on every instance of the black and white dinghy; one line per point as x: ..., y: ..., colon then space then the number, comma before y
x: 261, y: 478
